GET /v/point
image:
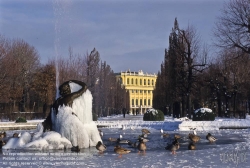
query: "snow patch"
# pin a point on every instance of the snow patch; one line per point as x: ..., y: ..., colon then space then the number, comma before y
x: 153, y: 111
x: 203, y: 110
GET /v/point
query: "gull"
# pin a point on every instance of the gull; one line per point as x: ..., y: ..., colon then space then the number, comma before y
x: 163, y: 134
x: 123, y: 127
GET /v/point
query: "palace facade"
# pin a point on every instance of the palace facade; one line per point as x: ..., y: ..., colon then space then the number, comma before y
x: 140, y: 88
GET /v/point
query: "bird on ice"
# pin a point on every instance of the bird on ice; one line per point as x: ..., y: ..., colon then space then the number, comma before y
x: 141, y: 146
x: 210, y: 138
x: 173, y: 147
x: 145, y: 131
x: 121, y: 151
x: 193, y: 138
x: 100, y: 147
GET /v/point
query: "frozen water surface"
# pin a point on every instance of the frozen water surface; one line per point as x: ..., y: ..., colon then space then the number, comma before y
x: 230, y: 150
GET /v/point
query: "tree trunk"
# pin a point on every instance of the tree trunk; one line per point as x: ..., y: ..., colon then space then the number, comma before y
x: 219, y: 104
x: 189, y: 106
x: 181, y: 108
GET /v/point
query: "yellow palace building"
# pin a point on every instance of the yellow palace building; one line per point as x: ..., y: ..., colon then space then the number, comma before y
x: 140, y: 88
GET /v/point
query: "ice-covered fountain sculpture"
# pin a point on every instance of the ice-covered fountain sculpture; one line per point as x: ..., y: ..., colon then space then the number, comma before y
x: 70, y: 122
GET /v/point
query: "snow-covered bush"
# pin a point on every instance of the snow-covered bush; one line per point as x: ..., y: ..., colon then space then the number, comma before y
x: 21, y: 120
x: 203, y: 114
x: 153, y: 115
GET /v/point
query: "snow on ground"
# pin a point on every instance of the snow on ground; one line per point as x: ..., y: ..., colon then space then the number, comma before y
x: 181, y: 124
x: 230, y: 150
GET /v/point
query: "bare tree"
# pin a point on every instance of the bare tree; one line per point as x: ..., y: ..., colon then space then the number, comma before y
x: 229, y: 82
x: 184, y: 59
x: 71, y: 67
x: 92, y: 64
x: 26, y: 60
x: 43, y: 84
x: 4, y: 67
x: 232, y: 28
x: 194, y: 60
x: 98, y: 76
x: 236, y: 72
x: 104, y: 88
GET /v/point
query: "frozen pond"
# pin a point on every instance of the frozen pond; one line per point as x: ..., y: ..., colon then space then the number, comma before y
x: 231, y: 150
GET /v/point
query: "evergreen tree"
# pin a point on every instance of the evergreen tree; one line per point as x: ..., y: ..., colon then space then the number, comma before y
x: 179, y: 73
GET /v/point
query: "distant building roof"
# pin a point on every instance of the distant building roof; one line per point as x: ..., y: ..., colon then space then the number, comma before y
x: 140, y: 72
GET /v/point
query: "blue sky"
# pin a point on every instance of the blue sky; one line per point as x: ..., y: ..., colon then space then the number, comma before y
x: 129, y: 34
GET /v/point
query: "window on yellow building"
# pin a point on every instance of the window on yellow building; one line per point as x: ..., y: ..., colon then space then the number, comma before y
x: 148, y: 82
x: 136, y: 82
x: 128, y: 81
x: 149, y: 102
x: 132, y: 81
x: 133, y: 102
x: 140, y: 91
x: 140, y: 101
x: 132, y: 91
x: 144, y: 81
x: 149, y: 91
x: 136, y: 102
x: 153, y: 82
x: 145, y: 102
x: 140, y: 81
x: 145, y: 91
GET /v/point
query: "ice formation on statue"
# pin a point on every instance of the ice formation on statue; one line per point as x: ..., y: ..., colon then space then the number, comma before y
x: 72, y: 125
x: 75, y: 123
